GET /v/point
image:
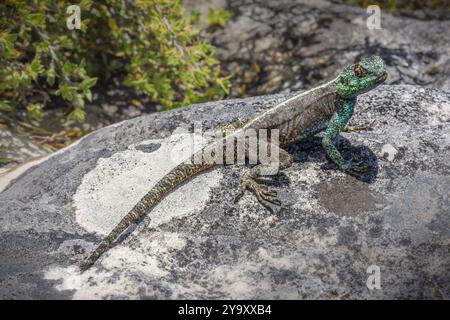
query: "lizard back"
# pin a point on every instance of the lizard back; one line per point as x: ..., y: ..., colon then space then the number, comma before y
x: 299, y: 114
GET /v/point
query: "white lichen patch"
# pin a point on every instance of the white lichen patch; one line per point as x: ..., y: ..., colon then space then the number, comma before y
x: 153, y: 261
x: 238, y: 281
x: 106, y: 283
x: 117, y: 183
x: 389, y: 151
x: 311, y: 238
x: 122, y: 258
x: 439, y: 112
x: 165, y: 242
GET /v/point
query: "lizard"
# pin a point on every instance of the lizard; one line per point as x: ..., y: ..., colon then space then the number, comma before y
x: 327, y: 108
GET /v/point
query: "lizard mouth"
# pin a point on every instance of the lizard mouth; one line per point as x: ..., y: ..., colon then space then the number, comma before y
x: 383, y: 77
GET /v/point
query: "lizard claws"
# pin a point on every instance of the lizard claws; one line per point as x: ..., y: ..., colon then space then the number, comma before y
x: 359, y: 167
x: 239, y: 196
x: 356, y: 168
x: 264, y: 195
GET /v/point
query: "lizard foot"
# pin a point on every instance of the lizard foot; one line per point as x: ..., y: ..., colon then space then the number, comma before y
x: 354, y: 128
x: 355, y: 168
x: 359, y: 127
x: 359, y: 167
x: 264, y: 195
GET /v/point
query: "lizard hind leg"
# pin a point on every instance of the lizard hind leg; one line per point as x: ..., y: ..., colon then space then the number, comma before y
x: 265, y: 195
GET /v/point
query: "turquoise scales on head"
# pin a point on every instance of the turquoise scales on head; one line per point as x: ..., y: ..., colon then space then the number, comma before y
x: 361, y: 77
x: 325, y: 108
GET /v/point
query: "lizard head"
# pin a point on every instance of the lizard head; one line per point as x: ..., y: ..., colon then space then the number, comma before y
x: 361, y: 77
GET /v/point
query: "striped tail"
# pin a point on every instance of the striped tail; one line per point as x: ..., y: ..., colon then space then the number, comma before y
x: 170, y: 181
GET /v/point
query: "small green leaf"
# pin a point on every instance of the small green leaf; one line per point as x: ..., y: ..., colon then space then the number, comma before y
x: 5, y: 106
x: 68, y: 67
x: 86, y: 4
x: 34, y: 111
x: 36, y: 19
x: 78, y: 101
x: 78, y: 115
x: 88, y: 83
x: 10, y: 37
x: 51, y: 75
x: 194, y: 16
x: 66, y: 92
x: 88, y: 95
x: 41, y: 46
x: 218, y: 17
x: 36, y: 67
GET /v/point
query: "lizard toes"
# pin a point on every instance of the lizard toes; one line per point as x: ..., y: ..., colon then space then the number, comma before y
x: 274, y: 201
x: 264, y: 195
x: 359, y: 167
x: 264, y: 202
x: 270, y: 193
x: 238, y: 196
x: 269, y: 196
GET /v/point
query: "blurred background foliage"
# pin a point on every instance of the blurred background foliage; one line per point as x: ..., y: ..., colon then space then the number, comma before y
x: 152, y: 46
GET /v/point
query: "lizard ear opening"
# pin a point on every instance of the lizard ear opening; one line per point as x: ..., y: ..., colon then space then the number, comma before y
x: 359, y: 70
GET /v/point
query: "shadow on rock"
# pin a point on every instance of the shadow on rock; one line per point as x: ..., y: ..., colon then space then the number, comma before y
x: 312, y: 150
x: 279, y: 180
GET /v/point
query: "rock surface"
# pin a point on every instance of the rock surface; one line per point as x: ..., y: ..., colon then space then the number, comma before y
x: 197, y: 243
x: 16, y: 149
x: 275, y: 45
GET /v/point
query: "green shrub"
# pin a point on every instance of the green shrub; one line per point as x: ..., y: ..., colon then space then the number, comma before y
x: 150, y: 45
x: 218, y: 17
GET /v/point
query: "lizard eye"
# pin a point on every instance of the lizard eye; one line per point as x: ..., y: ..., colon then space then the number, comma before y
x: 359, y: 70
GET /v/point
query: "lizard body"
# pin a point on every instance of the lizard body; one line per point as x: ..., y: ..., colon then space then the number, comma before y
x: 325, y: 108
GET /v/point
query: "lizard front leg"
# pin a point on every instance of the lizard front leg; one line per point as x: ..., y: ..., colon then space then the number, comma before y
x: 336, y: 124
x: 248, y: 180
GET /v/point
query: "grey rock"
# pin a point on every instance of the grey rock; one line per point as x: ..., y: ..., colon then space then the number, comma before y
x: 305, y: 42
x: 439, y: 12
x: 16, y: 148
x: 197, y: 243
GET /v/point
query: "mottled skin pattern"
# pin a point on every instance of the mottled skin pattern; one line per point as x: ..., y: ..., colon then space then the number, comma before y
x: 327, y: 107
